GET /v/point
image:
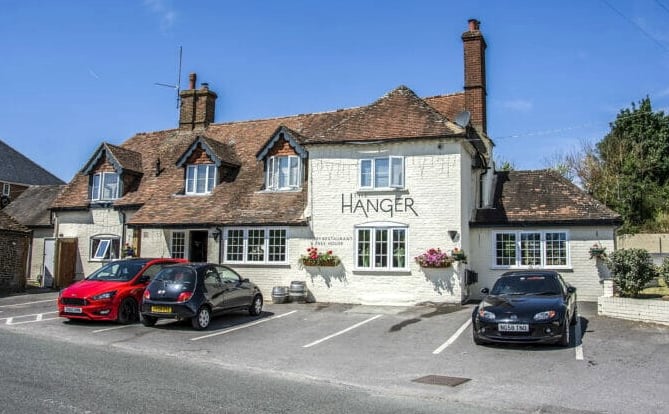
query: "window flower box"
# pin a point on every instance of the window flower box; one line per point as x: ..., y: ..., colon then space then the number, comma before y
x: 434, y: 258
x: 315, y: 258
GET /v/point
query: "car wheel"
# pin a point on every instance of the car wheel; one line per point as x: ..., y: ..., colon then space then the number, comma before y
x: 201, y: 319
x: 475, y: 337
x: 256, y: 306
x: 128, y: 311
x: 574, y: 317
x: 149, y: 320
x: 564, y: 341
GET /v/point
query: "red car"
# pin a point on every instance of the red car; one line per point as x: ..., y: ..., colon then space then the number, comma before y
x: 111, y: 293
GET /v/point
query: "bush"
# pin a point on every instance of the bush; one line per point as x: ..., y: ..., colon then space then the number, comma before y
x: 663, y: 270
x: 631, y: 269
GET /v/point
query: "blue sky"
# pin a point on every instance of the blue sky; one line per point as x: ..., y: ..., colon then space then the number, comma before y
x: 75, y: 73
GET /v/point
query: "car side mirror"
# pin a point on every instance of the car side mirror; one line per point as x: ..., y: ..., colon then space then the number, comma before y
x: 245, y: 280
x: 485, y: 291
x: 144, y: 279
x: 571, y: 289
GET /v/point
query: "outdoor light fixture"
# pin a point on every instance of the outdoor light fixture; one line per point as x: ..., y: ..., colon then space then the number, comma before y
x: 453, y: 234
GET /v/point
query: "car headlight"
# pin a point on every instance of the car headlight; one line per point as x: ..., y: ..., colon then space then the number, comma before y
x: 545, y: 315
x: 484, y: 314
x: 104, y: 296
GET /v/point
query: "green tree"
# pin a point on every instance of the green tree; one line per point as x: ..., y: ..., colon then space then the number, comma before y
x: 629, y: 169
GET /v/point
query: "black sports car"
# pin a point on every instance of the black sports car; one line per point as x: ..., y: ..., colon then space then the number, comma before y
x: 198, y: 291
x: 526, y: 306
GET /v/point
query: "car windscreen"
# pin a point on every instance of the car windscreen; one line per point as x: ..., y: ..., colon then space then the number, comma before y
x: 526, y: 285
x: 176, y: 275
x: 121, y: 271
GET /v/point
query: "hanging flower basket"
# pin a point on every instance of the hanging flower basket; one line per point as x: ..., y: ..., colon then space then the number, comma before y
x: 597, y: 252
x: 459, y: 255
x: 434, y: 258
x: 314, y: 258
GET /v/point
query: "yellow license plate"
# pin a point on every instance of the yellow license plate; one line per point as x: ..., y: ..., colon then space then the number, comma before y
x: 161, y: 309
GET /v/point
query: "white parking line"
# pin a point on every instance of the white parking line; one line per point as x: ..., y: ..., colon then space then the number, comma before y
x: 31, y: 314
x: 578, y: 340
x: 236, y: 328
x: 27, y: 303
x: 341, y: 332
x: 10, y: 322
x: 111, y: 329
x: 453, y: 337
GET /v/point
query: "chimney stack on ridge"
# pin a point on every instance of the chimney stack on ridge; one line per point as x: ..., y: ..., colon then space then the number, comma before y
x: 475, y: 83
x: 197, y: 106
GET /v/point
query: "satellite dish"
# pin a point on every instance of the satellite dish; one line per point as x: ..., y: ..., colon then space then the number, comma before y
x: 463, y: 118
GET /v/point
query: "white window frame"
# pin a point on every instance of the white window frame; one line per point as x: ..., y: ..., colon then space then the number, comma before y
x: 390, y: 230
x: 193, y: 178
x: 396, y: 173
x: 6, y: 188
x: 274, y: 173
x: 108, y: 247
x: 267, y: 250
x: 521, y: 239
x: 183, y: 236
x: 100, y: 185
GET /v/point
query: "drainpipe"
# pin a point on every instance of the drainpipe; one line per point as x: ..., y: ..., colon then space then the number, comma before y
x: 220, y: 244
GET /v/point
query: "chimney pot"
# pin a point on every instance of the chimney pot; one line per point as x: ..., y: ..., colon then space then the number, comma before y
x: 191, y: 80
x: 474, y: 25
x: 205, y: 86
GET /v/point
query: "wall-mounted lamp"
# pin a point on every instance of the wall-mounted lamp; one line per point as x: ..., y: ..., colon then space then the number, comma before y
x: 216, y: 235
x: 453, y: 234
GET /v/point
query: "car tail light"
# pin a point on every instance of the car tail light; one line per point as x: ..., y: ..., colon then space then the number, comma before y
x: 184, y: 296
x: 147, y: 294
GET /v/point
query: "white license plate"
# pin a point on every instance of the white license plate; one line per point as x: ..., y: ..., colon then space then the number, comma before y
x: 513, y: 327
x: 69, y: 309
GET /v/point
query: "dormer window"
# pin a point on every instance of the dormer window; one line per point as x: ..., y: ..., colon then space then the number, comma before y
x: 104, y: 186
x: 383, y: 172
x: 283, y: 173
x: 200, y: 178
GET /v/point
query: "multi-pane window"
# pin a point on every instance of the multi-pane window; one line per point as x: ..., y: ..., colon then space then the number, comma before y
x: 385, y: 172
x: 178, y: 247
x: 256, y: 245
x: 381, y: 248
x: 200, y: 178
x: 5, y: 189
x: 531, y: 249
x: 105, y: 247
x: 556, y: 249
x: 104, y: 186
x: 283, y: 172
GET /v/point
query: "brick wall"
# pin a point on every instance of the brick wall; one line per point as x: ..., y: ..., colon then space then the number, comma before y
x: 14, y: 249
x: 642, y: 310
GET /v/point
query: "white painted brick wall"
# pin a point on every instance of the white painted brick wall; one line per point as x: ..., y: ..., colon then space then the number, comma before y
x: 586, y: 274
x: 643, y: 310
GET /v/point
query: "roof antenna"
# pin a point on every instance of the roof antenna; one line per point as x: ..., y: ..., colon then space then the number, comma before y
x: 176, y: 86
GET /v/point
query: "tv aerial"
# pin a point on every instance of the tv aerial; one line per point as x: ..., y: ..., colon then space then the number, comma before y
x: 177, y: 85
x: 462, y: 119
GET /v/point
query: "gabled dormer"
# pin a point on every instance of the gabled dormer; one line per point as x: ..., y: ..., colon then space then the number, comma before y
x: 284, y: 161
x: 206, y: 164
x: 113, y: 171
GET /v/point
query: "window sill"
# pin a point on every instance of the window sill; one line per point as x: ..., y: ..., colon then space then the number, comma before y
x: 384, y: 190
x: 257, y: 264
x: 568, y: 267
x: 383, y: 272
x: 287, y: 190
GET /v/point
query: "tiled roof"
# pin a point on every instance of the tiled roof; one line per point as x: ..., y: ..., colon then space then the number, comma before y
x: 398, y: 115
x: 219, y: 151
x: 7, y: 223
x: 542, y: 197
x: 449, y: 105
x: 31, y: 208
x: 121, y: 158
x: 17, y: 168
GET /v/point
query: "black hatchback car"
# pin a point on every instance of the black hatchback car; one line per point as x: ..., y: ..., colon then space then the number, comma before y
x: 527, y: 306
x: 198, y: 291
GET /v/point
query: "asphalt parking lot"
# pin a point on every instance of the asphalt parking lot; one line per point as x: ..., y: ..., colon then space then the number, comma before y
x: 414, y: 350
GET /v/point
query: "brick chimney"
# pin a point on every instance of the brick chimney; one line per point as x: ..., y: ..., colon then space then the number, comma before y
x: 475, y: 86
x: 197, y: 106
